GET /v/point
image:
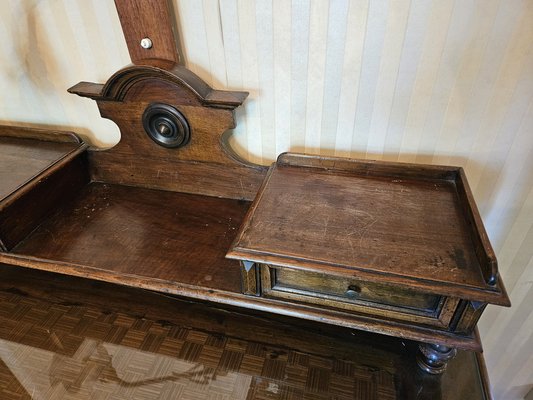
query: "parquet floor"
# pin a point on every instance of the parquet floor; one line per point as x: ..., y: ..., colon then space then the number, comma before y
x: 65, y: 341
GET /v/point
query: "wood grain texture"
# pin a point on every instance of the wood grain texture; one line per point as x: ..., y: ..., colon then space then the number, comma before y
x: 206, y: 165
x: 480, y: 239
x: 253, y: 304
x: 22, y: 212
x: 470, y: 316
x: 251, y: 280
x: 175, y: 243
x: 169, y: 236
x: 118, y: 85
x: 485, y: 126
x: 209, y: 179
x: 39, y: 310
x: 153, y: 19
x: 379, y: 293
x: 369, y: 167
x: 356, y: 218
x: 22, y: 157
x: 424, y: 233
x: 29, y: 160
x: 439, y: 318
x: 39, y: 134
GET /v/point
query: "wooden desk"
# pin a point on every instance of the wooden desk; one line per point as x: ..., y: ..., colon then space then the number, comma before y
x: 161, y: 209
x: 81, y: 333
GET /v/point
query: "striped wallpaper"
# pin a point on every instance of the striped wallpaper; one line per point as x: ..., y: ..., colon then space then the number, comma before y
x: 442, y: 81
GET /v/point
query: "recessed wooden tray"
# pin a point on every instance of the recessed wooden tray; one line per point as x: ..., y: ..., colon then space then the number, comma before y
x: 26, y: 153
x: 150, y: 234
x: 400, y: 244
x: 143, y: 213
x: 54, y: 215
x: 31, y: 171
x: 405, y: 224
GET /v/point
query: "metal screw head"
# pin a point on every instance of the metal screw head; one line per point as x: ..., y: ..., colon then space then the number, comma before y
x: 146, y: 43
x: 353, y: 291
x: 164, y: 129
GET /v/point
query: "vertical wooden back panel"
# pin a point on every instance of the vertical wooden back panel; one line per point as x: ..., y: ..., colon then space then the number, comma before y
x: 203, y: 163
x: 152, y: 20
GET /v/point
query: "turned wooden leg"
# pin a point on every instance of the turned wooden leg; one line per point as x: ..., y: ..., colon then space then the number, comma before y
x: 433, y: 358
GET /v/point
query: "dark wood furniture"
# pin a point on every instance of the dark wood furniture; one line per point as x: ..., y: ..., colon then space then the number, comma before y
x: 397, y: 248
x: 67, y: 317
x: 392, y: 248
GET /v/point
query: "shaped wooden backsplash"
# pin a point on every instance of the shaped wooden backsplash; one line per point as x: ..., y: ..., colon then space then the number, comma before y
x: 204, y: 165
x: 202, y: 161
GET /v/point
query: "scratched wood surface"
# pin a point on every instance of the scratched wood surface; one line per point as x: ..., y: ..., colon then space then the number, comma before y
x: 173, y: 237
x: 354, y: 218
x: 387, y: 224
x: 206, y: 165
x: 22, y: 212
x: 167, y: 241
x: 80, y: 339
x: 28, y: 159
x: 21, y: 159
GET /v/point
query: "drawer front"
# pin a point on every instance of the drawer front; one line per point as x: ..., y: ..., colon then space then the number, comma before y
x: 352, y: 295
x: 351, y: 289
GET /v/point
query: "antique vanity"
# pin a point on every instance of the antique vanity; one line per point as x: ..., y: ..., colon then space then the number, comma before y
x: 396, y: 249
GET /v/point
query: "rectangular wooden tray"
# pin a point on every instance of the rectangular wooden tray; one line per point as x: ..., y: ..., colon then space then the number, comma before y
x: 412, y: 225
x: 32, y: 177
x: 151, y: 234
x: 55, y: 216
x: 26, y: 153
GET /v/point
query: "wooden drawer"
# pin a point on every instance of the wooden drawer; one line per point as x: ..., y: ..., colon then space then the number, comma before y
x: 353, y: 290
x: 352, y: 295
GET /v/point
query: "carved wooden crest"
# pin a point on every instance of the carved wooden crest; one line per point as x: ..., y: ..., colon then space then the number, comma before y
x: 173, y: 123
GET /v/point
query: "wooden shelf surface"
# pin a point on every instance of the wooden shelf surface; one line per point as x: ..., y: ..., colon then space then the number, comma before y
x: 22, y: 159
x: 173, y: 243
x: 170, y: 236
x: 385, y: 224
x: 382, y: 221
